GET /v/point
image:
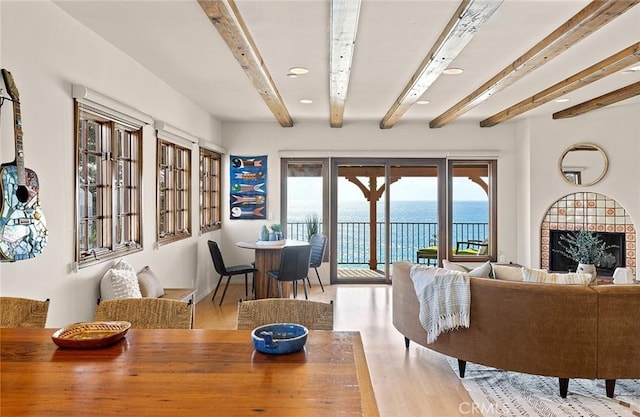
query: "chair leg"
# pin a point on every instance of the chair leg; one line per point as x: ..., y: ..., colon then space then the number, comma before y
x: 225, y: 289
x: 319, y: 280
x: 306, y: 296
x: 246, y: 284
x: 268, y: 295
x: 217, y: 286
x: 294, y: 287
x: 308, y: 281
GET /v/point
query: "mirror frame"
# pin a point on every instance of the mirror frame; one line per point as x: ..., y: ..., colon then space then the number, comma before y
x: 576, y: 147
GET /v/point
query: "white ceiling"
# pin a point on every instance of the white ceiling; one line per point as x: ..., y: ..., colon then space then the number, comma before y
x: 176, y: 41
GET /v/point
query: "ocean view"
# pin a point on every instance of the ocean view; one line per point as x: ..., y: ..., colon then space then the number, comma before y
x: 413, y: 225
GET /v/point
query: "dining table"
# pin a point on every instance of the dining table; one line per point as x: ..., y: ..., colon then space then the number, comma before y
x: 167, y: 372
x: 267, y: 258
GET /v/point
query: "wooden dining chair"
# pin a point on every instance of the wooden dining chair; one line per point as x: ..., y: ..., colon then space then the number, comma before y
x: 146, y: 312
x: 313, y: 315
x: 294, y: 266
x: 228, y: 271
x: 23, y: 312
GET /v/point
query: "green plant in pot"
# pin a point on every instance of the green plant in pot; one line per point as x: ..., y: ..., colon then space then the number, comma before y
x: 586, y: 248
x: 313, y: 223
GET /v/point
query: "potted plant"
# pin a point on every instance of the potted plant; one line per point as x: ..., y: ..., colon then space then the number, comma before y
x: 277, y: 230
x: 312, y: 222
x: 585, y: 248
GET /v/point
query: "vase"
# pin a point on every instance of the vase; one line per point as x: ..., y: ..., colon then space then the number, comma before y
x: 588, y: 269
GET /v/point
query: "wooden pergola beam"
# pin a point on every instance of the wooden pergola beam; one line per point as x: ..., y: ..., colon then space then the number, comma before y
x: 595, y: 15
x: 344, y: 25
x: 623, y: 93
x: 224, y: 15
x: 460, y: 29
x: 608, y: 66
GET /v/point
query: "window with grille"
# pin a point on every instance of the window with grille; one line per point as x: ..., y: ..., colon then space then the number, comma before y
x: 108, y: 194
x: 210, y: 200
x: 174, y: 192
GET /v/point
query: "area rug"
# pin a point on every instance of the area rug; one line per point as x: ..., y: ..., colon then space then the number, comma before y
x: 502, y: 393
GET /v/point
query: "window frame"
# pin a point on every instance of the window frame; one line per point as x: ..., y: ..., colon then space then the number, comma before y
x: 178, y: 168
x: 210, y: 189
x: 120, y: 232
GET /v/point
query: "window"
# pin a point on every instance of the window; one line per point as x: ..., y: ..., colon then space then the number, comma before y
x: 174, y: 192
x: 108, y: 163
x: 210, y: 200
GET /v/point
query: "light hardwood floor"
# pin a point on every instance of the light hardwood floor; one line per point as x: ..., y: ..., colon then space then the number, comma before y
x: 407, y: 383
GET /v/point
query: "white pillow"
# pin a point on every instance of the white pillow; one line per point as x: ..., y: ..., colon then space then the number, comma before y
x: 150, y: 285
x: 507, y: 272
x: 481, y: 271
x: 453, y: 266
x: 540, y: 275
x: 120, y: 281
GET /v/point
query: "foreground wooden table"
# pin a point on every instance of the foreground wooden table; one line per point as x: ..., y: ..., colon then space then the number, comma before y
x: 267, y: 258
x: 183, y: 372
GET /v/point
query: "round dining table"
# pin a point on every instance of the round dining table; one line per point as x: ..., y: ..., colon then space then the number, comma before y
x: 267, y: 258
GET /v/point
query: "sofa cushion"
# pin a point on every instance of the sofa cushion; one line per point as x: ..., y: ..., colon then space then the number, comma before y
x: 482, y: 271
x: 150, y: 285
x: 120, y: 281
x: 541, y: 275
x: 507, y: 272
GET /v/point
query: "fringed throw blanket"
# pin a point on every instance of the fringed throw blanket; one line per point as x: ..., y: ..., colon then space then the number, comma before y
x: 444, y: 297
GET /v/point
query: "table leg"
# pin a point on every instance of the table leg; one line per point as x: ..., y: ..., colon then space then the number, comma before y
x: 268, y: 260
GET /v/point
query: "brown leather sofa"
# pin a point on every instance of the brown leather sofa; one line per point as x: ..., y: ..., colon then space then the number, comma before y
x: 564, y: 331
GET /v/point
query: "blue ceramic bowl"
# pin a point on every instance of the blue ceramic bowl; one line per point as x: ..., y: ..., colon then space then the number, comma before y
x: 279, y: 338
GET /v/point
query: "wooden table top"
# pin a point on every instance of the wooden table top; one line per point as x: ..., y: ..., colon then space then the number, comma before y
x: 191, y: 372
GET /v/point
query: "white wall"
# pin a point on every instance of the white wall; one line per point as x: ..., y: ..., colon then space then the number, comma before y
x: 47, y: 52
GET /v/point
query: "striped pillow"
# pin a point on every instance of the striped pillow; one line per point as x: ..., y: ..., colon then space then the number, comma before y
x: 541, y: 275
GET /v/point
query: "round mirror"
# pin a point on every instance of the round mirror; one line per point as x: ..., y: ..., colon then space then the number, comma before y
x: 583, y: 164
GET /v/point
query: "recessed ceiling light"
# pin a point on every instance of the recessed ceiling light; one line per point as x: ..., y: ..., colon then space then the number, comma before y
x: 453, y: 71
x: 298, y: 70
x: 306, y: 101
x: 636, y: 68
x: 423, y: 102
x: 292, y: 75
x: 562, y: 100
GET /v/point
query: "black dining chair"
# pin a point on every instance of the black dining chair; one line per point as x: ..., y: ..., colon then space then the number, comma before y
x: 228, y: 271
x: 294, y: 266
x: 318, y: 246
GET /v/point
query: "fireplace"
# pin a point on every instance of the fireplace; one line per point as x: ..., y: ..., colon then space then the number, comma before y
x: 559, y: 262
x: 596, y: 213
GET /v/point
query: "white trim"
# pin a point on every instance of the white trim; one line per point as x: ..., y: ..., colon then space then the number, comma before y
x: 212, y: 147
x: 471, y: 154
x: 110, y: 106
x: 174, y: 134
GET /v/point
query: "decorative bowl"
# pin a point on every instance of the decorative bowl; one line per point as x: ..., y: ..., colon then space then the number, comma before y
x: 279, y: 338
x: 91, y: 335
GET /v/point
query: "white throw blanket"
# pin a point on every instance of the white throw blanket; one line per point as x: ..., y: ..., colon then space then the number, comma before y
x: 445, y: 299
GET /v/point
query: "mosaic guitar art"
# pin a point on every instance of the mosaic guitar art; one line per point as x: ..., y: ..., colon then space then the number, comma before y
x: 23, y: 230
x: 248, y: 196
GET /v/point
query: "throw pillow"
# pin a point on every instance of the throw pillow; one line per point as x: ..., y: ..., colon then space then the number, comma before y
x: 481, y: 271
x: 540, y: 275
x: 150, y: 285
x: 507, y: 272
x: 120, y: 281
x: 454, y: 267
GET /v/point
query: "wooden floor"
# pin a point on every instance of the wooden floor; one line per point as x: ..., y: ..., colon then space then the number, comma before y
x: 407, y: 383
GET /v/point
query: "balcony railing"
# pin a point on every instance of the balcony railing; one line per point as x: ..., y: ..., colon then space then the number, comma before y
x: 405, y: 239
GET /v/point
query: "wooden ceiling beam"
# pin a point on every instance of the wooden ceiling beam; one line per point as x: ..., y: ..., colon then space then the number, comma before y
x: 623, y: 93
x: 592, y: 17
x: 224, y: 15
x: 460, y: 29
x: 344, y: 25
x: 611, y: 65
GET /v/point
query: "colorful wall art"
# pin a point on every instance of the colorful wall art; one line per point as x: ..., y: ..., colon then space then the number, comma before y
x: 248, y: 196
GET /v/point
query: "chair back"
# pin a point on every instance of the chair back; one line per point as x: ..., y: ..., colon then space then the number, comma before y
x: 313, y: 315
x: 146, y: 313
x: 318, y: 247
x: 216, y: 257
x: 23, y: 312
x: 294, y: 263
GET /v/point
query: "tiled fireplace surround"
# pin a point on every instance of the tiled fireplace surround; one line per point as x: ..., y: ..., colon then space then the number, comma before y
x: 591, y: 211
